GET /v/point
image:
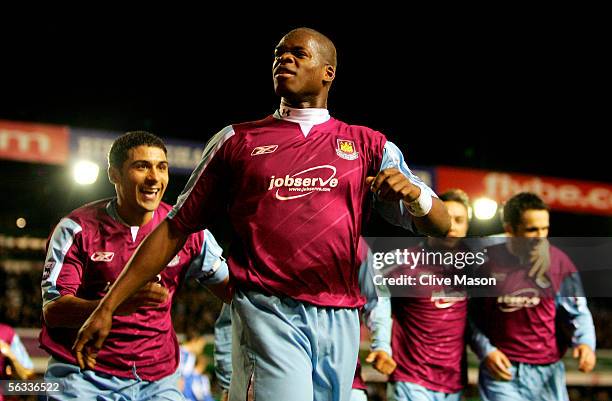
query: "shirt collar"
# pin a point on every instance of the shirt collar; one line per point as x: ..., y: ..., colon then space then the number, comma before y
x: 311, y: 116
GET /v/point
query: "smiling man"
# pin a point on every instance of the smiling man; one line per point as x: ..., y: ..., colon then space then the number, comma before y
x: 86, y: 253
x: 297, y: 186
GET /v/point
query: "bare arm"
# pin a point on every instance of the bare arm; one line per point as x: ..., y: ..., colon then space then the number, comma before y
x: 437, y: 222
x: 150, y: 258
x: 70, y: 311
x: 155, y: 252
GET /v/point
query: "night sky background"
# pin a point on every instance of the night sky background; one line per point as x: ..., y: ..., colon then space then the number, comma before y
x: 521, y: 95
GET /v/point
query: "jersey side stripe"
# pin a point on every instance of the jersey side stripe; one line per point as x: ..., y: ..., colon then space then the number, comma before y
x: 59, y: 245
x: 212, y: 147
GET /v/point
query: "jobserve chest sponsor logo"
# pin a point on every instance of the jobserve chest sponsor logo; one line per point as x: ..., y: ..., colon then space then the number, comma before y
x: 303, y: 183
x: 519, y: 299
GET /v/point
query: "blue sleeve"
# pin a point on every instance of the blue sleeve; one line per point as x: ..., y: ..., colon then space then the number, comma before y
x: 395, y: 212
x: 209, y: 266
x: 478, y: 341
x: 571, y: 298
x: 20, y: 353
x: 377, y: 310
x: 223, y: 347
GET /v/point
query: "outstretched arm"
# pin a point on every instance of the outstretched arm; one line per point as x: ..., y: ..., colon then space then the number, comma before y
x: 150, y: 258
x: 71, y: 311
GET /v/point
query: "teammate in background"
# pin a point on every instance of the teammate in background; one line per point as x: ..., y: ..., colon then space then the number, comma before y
x: 516, y: 336
x: 376, y: 314
x: 86, y: 252
x: 194, y: 383
x: 377, y: 317
x: 297, y: 186
x: 428, y: 338
x: 15, y: 363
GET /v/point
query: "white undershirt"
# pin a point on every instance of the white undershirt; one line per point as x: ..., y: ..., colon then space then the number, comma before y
x: 134, y: 230
x: 307, y: 118
x: 111, y: 208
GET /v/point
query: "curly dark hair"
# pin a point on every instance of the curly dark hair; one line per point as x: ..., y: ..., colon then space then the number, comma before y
x: 119, y: 150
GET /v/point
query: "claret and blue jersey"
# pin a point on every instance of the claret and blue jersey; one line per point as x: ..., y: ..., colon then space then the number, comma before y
x: 86, y: 252
x: 296, y: 194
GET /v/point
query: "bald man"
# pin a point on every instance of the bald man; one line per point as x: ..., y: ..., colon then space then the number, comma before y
x: 297, y: 186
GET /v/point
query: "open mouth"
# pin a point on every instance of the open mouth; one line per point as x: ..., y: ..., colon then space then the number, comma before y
x: 149, y: 194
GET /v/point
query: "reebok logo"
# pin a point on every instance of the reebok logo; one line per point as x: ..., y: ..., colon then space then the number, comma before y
x: 262, y: 150
x: 102, y: 256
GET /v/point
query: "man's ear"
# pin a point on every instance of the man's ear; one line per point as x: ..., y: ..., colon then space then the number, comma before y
x: 508, y: 229
x: 113, y: 174
x: 330, y: 73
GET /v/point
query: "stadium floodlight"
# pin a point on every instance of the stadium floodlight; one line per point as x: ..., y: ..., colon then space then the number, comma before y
x: 85, y: 172
x: 485, y: 208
